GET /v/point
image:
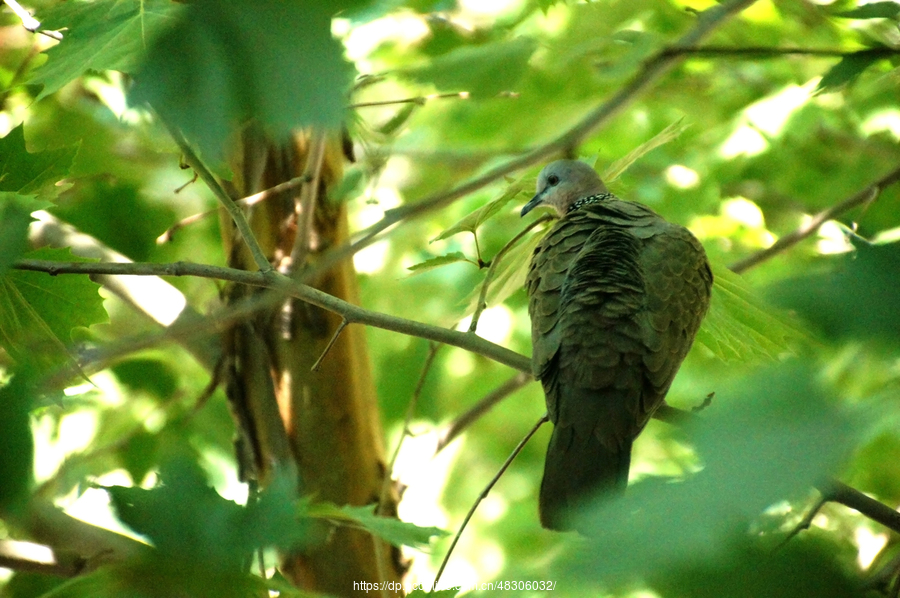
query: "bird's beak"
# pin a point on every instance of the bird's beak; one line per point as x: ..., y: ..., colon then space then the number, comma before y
x: 532, y: 204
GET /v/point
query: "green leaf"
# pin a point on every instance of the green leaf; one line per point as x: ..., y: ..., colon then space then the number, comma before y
x: 398, y: 533
x: 873, y: 10
x: 150, y: 576
x: 225, y: 62
x: 671, y: 132
x: 848, y: 69
x: 450, y: 593
x: 32, y: 174
x: 437, y: 262
x: 14, y: 221
x: 17, y: 456
x: 803, y: 568
x: 472, y: 221
x: 398, y: 120
x: 483, y: 71
x: 855, y: 297
x: 39, y: 311
x: 188, y: 521
x: 100, y: 35
x: 742, y: 326
x: 767, y: 439
x: 183, y: 516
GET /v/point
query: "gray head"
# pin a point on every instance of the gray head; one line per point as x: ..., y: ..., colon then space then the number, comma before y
x: 562, y: 183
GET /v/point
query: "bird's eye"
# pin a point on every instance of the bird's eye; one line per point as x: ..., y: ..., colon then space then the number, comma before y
x: 552, y: 180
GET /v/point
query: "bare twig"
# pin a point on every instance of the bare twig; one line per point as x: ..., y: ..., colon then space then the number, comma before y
x: 805, y: 522
x: 152, y: 297
x: 420, y: 100
x: 334, y: 337
x: 492, y: 270
x: 304, y: 208
x: 867, y: 195
x: 461, y: 423
x: 237, y: 215
x: 287, y: 287
x: 485, y: 492
x: 245, y: 201
x: 768, y: 52
x: 653, y: 69
x: 29, y: 22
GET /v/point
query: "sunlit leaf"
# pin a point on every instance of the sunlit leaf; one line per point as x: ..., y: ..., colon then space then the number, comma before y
x: 100, y: 35
x: 39, y: 311
x: 742, y: 326
x: 473, y: 220
x: 398, y: 533
x: 872, y: 10
x: 32, y: 174
x: 510, y: 274
x: 437, y: 262
x: 222, y: 63
x: 484, y: 70
x: 671, y: 132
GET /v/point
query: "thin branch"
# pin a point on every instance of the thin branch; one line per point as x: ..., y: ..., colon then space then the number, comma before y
x: 237, y: 215
x: 334, y: 337
x: 653, y: 69
x: 452, y: 430
x: 420, y: 100
x: 29, y: 22
x: 285, y: 286
x: 152, y: 297
x: 304, y: 208
x: 805, y: 522
x: 485, y: 492
x: 768, y: 52
x: 867, y: 195
x: 492, y: 270
x: 433, y: 349
x: 245, y: 201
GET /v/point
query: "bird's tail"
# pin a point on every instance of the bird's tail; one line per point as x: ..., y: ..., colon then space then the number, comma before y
x: 577, y: 469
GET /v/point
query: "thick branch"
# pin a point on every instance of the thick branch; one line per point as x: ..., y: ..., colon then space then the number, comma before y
x: 278, y: 282
x: 850, y: 497
x: 867, y: 195
x: 654, y: 68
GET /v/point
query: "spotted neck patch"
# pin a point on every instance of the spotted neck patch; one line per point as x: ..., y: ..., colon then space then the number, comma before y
x: 590, y: 199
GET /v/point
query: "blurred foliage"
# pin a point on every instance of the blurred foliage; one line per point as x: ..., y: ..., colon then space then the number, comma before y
x: 801, y: 351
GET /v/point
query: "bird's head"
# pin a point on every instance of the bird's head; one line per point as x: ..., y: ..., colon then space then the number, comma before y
x: 562, y: 183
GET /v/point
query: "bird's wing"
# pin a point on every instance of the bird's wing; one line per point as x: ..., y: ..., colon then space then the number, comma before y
x: 678, y: 283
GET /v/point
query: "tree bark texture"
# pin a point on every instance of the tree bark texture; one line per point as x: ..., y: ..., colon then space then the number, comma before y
x: 323, y: 426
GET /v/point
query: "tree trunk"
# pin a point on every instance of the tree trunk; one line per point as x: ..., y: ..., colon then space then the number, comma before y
x: 323, y: 426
